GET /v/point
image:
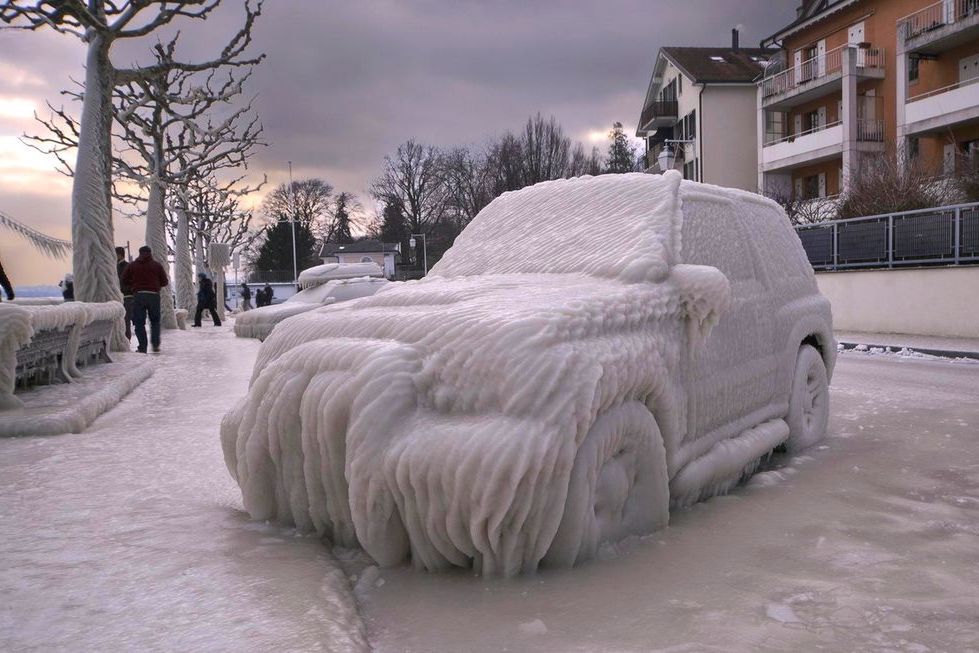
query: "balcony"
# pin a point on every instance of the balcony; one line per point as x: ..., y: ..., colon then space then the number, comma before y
x: 817, y: 77
x: 819, y: 144
x: 661, y: 113
x: 939, y: 26
x: 943, y: 107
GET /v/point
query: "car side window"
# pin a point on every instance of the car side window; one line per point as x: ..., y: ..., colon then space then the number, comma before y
x: 712, y: 235
x: 779, y: 246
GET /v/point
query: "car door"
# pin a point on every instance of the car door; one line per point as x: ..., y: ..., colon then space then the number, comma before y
x: 733, y: 375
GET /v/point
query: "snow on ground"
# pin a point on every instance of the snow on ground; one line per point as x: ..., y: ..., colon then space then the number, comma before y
x: 867, y: 542
x: 130, y: 536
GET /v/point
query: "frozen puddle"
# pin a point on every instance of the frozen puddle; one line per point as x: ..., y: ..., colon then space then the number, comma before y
x: 131, y: 536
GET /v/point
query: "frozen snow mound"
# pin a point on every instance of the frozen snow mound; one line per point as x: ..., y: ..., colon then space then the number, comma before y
x: 571, y: 368
x: 259, y: 322
x: 320, y: 274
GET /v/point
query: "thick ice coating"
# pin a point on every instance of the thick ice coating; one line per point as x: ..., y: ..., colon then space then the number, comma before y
x: 259, y: 322
x: 521, y: 404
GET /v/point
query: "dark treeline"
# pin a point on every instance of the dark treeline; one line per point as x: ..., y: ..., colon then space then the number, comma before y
x: 427, y: 190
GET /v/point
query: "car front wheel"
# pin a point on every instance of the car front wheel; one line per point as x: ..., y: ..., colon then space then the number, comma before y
x: 618, y: 485
x: 808, y: 402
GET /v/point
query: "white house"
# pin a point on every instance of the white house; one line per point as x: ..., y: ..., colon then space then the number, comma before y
x: 701, y: 103
x: 363, y: 251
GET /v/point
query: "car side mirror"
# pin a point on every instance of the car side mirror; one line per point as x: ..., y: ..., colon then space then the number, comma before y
x: 705, y: 295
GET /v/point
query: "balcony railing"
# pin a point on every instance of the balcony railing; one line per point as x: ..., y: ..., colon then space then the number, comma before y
x: 773, y: 138
x: 870, y: 130
x: 822, y: 65
x: 658, y: 109
x: 944, y: 89
x: 947, y: 235
x: 935, y: 16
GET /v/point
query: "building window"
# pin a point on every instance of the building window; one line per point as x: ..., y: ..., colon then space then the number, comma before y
x: 810, y: 188
x: 690, y: 170
x: 913, y: 71
x: 810, y: 121
x: 913, y: 148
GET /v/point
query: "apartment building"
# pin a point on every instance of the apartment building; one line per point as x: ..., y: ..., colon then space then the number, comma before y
x: 856, y: 79
x: 700, y: 106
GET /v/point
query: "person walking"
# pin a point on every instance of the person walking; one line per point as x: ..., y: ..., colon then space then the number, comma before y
x: 6, y: 285
x: 206, y: 300
x: 127, y: 292
x: 269, y: 295
x: 246, y: 298
x: 68, y: 287
x: 145, y: 276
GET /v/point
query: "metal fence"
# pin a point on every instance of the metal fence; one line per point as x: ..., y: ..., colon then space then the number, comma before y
x: 947, y: 235
x: 270, y: 276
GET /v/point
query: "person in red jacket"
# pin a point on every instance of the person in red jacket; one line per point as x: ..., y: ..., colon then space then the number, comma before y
x: 145, y: 277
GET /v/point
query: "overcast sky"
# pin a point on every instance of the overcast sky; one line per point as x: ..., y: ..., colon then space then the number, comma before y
x: 346, y: 82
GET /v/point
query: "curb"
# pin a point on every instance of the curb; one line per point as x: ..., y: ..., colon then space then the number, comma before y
x: 941, y: 353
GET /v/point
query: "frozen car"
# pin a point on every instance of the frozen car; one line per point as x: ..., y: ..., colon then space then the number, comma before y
x: 590, y: 353
x: 321, y: 285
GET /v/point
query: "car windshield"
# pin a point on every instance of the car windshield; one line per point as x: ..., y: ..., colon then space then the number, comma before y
x: 614, y: 226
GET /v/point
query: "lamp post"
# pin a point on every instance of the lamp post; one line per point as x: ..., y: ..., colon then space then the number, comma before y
x: 411, y: 244
x: 292, y: 221
x: 667, y: 156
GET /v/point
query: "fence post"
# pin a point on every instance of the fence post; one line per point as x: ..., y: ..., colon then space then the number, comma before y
x: 890, y: 241
x: 958, y: 234
x: 836, y: 244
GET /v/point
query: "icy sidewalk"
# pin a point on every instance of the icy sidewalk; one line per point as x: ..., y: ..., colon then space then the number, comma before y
x: 130, y: 536
x: 930, y: 345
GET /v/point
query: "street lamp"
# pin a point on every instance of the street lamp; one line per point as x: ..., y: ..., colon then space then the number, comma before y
x: 667, y: 156
x: 292, y: 221
x: 411, y: 244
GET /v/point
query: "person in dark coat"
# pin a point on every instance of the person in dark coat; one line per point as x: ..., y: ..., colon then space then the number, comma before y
x: 6, y: 285
x: 68, y: 287
x: 269, y: 295
x: 145, y: 277
x: 260, y: 298
x: 127, y: 292
x: 206, y: 300
x: 246, y: 298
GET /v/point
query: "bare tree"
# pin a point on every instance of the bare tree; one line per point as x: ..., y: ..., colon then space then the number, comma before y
x: 885, y: 184
x: 308, y: 201
x: 412, y: 178
x: 99, y: 23
x: 469, y: 176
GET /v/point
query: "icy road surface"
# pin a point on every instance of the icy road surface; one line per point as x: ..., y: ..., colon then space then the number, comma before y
x: 868, y: 543
x: 130, y: 536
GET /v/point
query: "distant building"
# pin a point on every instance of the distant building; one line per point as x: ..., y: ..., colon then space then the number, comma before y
x: 362, y: 251
x: 856, y: 78
x: 707, y: 98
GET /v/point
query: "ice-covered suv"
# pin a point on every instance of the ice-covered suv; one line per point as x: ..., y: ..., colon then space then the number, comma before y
x: 589, y: 353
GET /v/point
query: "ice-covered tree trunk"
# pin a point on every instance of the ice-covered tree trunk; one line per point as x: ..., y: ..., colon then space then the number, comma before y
x: 156, y: 238
x: 184, y: 270
x: 94, y: 260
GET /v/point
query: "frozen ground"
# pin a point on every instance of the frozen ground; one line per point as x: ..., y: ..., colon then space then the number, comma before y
x: 868, y: 543
x: 130, y: 536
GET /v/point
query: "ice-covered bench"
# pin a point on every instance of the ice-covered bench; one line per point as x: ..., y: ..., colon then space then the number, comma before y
x: 46, y: 343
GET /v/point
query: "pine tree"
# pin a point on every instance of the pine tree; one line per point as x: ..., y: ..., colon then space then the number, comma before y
x: 341, y: 219
x: 621, y: 155
x: 276, y: 251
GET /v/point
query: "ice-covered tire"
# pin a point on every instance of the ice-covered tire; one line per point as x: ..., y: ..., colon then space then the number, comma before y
x: 618, y: 485
x: 808, y: 401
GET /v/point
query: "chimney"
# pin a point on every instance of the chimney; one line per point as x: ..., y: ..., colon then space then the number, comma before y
x: 734, y: 39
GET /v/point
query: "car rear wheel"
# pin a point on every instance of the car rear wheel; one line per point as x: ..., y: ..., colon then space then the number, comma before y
x: 808, y: 402
x: 618, y: 486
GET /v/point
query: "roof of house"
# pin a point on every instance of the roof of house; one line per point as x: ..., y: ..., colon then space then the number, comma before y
x: 706, y: 66
x: 368, y: 246
x: 808, y: 13
x: 718, y: 65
